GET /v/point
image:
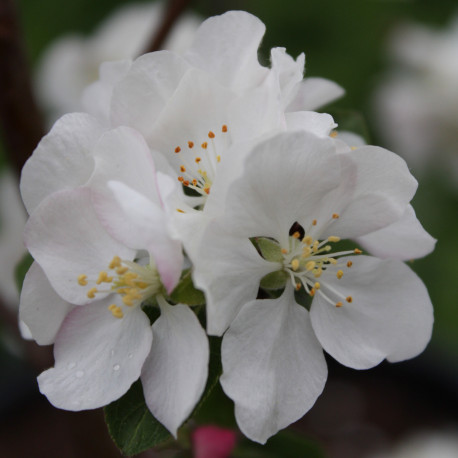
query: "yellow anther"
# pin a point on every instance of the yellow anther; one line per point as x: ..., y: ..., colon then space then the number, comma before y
x: 197, y: 159
x: 310, y: 265
x: 308, y: 240
x: 182, y: 168
x: 327, y: 248
x: 317, y: 285
x: 295, y: 264
x: 333, y: 134
x: 179, y: 210
x: 357, y: 251
x: 194, y: 182
x: 332, y: 261
x: 349, y: 264
x: 317, y: 273
x: 204, y: 145
x: 349, y: 299
x: 91, y: 293
x: 315, y: 246
x: 207, y: 189
x: 224, y: 128
x: 128, y: 300
x: 339, y: 304
x: 312, y: 292
x: 211, y: 135
x: 116, y: 311
x: 306, y: 252
x: 115, y: 262
x: 218, y: 158
x: 142, y: 285
x: 82, y: 280
x: 190, y: 144
x: 339, y: 274
x: 121, y: 270
x: 186, y: 183
x: 335, y: 216
x: 314, y: 222
x: 103, y: 277
x: 284, y: 251
x: 333, y: 238
x: 180, y: 179
x: 177, y: 149
x: 298, y: 286
x: 296, y: 235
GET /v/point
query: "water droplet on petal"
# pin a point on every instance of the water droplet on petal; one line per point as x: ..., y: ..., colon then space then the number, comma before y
x: 116, y: 367
x: 79, y: 374
x: 71, y: 365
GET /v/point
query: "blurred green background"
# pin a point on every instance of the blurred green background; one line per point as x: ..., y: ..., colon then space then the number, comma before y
x: 345, y: 42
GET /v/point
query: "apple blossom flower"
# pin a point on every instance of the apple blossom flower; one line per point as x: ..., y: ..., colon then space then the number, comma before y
x: 416, y: 102
x: 285, y: 217
x: 201, y: 111
x: 102, y: 249
x: 72, y: 62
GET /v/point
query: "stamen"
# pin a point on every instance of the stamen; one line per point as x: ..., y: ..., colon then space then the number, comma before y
x: 298, y: 286
x: 295, y: 264
x: 204, y: 145
x: 314, y: 222
x: 82, y: 280
x: 198, y: 159
x: 335, y: 216
x: 349, y: 264
x: 296, y: 235
x: 310, y: 265
x: 357, y: 251
x: 224, y: 128
x: 317, y: 285
x: 104, y: 278
x: 177, y: 149
x: 339, y: 304
x: 115, y: 262
x: 190, y: 145
x: 333, y: 238
x: 349, y: 299
x: 182, y: 168
x: 339, y: 274
x: 308, y: 240
x: 91, y: 293
x: 211, y: 135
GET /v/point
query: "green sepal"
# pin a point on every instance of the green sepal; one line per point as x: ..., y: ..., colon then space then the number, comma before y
x: 21, y: 269
x: 131, y: 425
x: 274, y: 280
x: 186, y: 293
x: 270, y: 249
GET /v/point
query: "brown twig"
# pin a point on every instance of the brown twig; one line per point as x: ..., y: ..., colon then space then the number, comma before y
x: 172, y: 12
x: 22, y: 124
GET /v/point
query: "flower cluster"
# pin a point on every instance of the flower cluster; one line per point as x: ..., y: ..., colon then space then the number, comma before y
x: 416, y: 102
x: 210, y: 161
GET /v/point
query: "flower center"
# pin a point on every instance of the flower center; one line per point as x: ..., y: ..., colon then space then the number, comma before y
x: 133, y: 282
x: 307, y: 258
x: 199, y: 163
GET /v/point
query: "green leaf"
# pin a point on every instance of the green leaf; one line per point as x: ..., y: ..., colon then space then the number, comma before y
x: 270, y: 249
x: 131, y: 425
x: 186, y: 293
x: 286, y: 444
x: 21, y: 269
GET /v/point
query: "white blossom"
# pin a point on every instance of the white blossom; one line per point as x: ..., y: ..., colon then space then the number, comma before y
x: 296, y: 199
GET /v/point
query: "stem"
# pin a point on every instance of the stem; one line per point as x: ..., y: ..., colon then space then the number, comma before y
x: 21, y: 122
x: 172, y: 12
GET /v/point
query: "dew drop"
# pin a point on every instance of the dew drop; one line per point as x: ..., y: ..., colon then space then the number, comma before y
x: 79, y: 374
x: 71, y: 365
x: 116, y: 367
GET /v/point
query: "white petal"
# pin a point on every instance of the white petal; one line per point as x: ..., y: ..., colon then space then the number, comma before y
x: 321, y: 124
x: 273, y: 365
x: 405, y: 239
x: 145, y: 227
x: 66, y: 238
x: 62, y: 160
x: 391, y: 315
x: 382, y: 189
x: 285, y: 180
x: 122, y: 154
x: 141, y: 96
x: 97, y: 357
x: 175, y: 372
x: 314, y: 93
x: 12, y: 250
x: 289, y: 73
x: 96, y: 98
x: 41, y: 308
x: 228, y: 269
x: 226, y: 46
